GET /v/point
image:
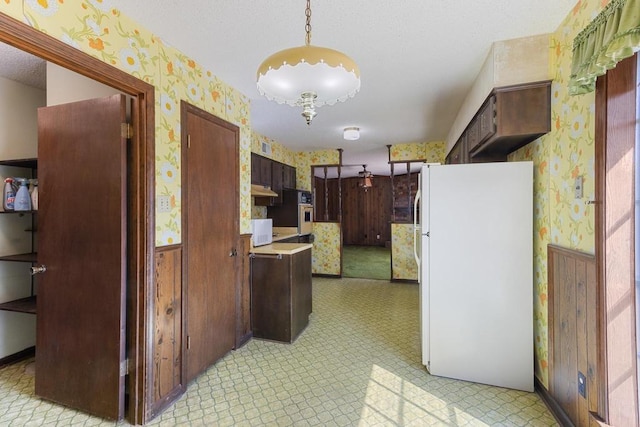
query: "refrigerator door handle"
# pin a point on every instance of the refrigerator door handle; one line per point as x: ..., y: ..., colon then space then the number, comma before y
x: 416, y: 234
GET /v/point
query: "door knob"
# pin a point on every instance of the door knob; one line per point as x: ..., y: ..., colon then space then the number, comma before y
x: 38, y: 270
x: 233, y: 252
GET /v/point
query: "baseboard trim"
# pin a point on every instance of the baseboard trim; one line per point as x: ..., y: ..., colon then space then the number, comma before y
x: 16, y: 357
x: 412, y: 281
x: 331, y: 276
x: 553, y: 406
x: 243, y: 340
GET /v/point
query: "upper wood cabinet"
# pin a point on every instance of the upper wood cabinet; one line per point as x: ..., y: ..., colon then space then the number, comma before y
x: 510, y: 117
x: 288, y: 177
x: 459, y: 153
x: 275, y: 175
x: 260, y: 170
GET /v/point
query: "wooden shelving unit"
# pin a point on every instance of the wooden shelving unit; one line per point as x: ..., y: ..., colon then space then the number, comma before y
x: 27, y: 304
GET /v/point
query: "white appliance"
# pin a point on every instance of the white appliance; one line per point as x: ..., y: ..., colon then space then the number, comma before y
x: 474, y: 249
x: 261, y: 231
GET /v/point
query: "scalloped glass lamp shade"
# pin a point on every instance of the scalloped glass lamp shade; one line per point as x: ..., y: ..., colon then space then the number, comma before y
x: 286, y: 75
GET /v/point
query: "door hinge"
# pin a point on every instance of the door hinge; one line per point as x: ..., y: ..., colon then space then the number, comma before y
x: 124, y: 367
x: 189, y: 141
x: 126, y: 130
x: 188, y: 342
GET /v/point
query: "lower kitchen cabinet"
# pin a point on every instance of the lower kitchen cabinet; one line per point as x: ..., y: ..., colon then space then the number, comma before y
x: 280, y: 295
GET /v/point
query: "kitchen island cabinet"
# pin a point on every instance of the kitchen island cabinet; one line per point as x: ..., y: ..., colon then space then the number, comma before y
x: 280, y: 290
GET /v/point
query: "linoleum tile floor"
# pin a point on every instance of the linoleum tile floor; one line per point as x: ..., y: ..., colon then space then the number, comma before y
x: 356, y: 364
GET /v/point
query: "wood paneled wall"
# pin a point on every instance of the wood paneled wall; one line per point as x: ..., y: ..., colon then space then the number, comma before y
x: 167, y: 325
x: 574, y: 338
x: 243, y: 291
x: 366, y: 215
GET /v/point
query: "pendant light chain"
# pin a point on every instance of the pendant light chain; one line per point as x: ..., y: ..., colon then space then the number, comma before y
x: 307, y: 27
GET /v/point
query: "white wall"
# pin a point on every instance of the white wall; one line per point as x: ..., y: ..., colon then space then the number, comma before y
x: 64, y: 86
x: 18, y: 140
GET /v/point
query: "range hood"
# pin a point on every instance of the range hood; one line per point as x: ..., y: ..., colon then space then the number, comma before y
x: 262, y: 191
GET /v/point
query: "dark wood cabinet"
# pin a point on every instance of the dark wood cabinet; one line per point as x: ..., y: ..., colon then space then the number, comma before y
x: 276, y: 182
x: 256, y: 165
x: 260, y: 170
x: 280, y: 295
x: 275, y: 175
x: 510, y: 117
x: 459, y: 153
x: 288, y: 177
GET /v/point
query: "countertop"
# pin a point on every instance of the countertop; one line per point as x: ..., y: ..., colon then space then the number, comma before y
x: 282, y: 233
x: 281, y: 248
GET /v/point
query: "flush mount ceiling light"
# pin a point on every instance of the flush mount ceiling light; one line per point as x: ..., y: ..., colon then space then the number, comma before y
x: 308, y: 76
x: 351, y: 133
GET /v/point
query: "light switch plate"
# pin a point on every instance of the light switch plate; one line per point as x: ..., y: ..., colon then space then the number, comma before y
x: 578, y: 187
x: 164, y: 204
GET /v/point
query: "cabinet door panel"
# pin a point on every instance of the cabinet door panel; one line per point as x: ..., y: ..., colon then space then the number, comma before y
x: 82, y: 242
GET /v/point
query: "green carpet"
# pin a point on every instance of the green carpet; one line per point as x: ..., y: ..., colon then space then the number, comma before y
x: 367, y: 262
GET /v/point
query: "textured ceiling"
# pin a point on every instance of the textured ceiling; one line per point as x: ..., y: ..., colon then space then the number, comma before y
x: 418, y: 58
x: 20, y: 66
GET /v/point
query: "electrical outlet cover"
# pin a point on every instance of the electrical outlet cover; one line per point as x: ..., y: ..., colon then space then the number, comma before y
x: 582, y: 385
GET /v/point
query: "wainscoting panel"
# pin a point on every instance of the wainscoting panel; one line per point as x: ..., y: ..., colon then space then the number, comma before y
x: 574, y: 372
x: 167, y: 324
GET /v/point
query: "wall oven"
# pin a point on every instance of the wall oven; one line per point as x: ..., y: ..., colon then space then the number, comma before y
x: 305, y: 219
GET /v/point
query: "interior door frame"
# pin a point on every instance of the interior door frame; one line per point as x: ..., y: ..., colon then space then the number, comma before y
x: 615, y: 132
x: 141, y: 190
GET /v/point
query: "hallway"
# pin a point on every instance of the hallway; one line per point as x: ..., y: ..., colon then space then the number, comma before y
x: 356, y: 364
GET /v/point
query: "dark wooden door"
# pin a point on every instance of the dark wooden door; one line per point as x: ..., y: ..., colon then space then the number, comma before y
x: 210, y: 227
x: 80, y: 341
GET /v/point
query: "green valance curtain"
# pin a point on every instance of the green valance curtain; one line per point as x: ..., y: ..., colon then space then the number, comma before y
x: 611, y: 37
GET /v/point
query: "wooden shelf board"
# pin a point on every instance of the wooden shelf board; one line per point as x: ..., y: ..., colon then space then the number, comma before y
x: 30, y: 257
x: 22, y: 163
x: 22, y: 305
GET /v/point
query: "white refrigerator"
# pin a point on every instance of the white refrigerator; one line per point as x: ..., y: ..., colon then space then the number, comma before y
x: 473, y: 236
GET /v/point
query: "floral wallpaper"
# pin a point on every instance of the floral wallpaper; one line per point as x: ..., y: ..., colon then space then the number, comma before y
x: 404, y: 265
x: 325, y: 256
x: 279, y: 152
x: 306, y: 159
x: 431, y: 152
x: 99, y: 30
x: 565, y: 153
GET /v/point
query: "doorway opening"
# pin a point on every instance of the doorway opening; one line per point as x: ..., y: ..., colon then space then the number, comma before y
x: 140, y: 211
x: 366, y: 262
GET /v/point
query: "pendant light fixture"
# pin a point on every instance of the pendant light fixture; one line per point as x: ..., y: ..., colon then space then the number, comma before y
x: 308, y: 76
